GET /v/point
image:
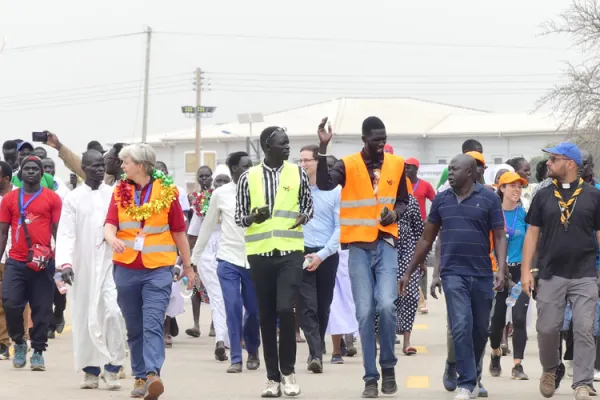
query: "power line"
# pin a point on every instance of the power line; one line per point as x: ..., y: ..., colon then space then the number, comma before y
x: 69, y: 42
x: 387, y: 82
x: 359, y: 75
x: 357, y: 41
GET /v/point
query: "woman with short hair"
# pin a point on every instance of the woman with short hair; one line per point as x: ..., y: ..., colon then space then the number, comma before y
x: 146, y: 229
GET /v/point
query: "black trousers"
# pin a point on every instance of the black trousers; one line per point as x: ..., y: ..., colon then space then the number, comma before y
x: 60, y: 305
x: 519, y: 318
x: 316, y: 295
x: 20, y: 286
x: 277, y: 279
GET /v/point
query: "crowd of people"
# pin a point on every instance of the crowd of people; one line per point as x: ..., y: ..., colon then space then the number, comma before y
x: 334, y: 247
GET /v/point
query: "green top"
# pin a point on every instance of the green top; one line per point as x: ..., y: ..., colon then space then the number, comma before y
x: 443, y: 178
x: 47, y: 181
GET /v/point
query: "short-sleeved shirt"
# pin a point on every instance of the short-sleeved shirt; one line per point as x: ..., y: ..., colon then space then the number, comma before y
x: 516, y: 228
x: 176, y: 223
x: 568, y: 254
x: 465, y: 233
x: 43, y: 212
x: 422, y: 190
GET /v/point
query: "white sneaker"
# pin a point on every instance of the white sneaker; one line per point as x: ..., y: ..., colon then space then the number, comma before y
x: 273, y: 389
x: 463, y: 394
x: 90, y: 381
x: 596, y: 375
x: 475, y: 392
x: 112, y: 380
x: 290, y: 387
x: 570, y: 368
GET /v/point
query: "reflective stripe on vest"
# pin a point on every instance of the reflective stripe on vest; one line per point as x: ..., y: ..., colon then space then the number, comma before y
x: 159, y: 248
x: 147, y: 229
x: 360, y: 208
x: 274, y: 233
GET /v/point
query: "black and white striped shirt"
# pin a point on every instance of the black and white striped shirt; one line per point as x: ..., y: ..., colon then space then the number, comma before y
x: 270, y: 185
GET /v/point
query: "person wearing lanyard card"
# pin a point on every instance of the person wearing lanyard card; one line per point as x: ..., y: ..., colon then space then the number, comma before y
x: 510, y: 188
x: 32, y: 213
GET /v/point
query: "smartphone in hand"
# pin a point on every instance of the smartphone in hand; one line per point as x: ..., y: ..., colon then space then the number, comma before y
x: 41, y: 137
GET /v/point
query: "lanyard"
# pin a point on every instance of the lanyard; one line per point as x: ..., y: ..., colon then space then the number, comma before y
x: 416, y: 186
x: 24, y: 206
x: 510, y: 232
x: 137, y: 196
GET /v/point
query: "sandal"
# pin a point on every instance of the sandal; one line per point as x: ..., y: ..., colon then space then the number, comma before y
x: 192, y: 332
x: 409, y: 351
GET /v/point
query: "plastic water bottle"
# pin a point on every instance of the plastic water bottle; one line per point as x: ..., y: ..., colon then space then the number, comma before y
x: 185, y: 292
x: 60, y: 284
x: 514, y: 295
x: 307, y: 262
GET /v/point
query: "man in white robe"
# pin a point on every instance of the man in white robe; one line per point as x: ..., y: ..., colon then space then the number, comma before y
x: 85, y: 260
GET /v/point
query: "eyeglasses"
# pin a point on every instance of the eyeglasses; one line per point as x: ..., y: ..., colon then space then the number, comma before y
x: 305, y: 160
x: 554, y: 159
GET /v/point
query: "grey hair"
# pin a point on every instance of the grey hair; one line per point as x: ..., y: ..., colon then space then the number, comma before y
x: 140, y: 154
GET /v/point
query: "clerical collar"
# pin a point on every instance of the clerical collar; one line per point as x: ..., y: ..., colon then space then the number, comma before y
x: 571, y: 185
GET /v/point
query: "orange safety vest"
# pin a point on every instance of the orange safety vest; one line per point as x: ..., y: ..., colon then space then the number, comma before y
x: 360, y: 209
x: 159, y: 247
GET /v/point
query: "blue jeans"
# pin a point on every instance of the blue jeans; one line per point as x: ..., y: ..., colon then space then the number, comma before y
x: 108, y: 367
x: 238, y: 293
x: 373, y: 276
x: 468, y: 303
x: 143, y: 296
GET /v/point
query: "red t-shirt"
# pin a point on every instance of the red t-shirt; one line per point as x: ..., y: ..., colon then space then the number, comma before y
x: 423, y: 190
x: 176, y: 223
x: 43, y: 212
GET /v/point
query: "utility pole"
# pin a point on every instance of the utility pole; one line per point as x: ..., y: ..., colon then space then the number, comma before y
x: 146, y: 84
x: 198, y: 125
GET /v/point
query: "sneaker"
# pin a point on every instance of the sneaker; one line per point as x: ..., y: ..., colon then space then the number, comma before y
x: 495, y: 366
x: 4, y: 352
x: 253, y: 362
x: 582, y: 393
x: 596, y: 375
x: 139, y: 388
x: 220, y: 353
x: 548, y: 384
x: 154, y: 387
x: 482, y: 391
x: 90, y: 381
x: 290, y: 387
x: 234, y: 368
x: 463, y: 394
x: 37, y: 362
x: 518, y: 373
x: 315, y: 366
x: 388, y: 381
x: 570, y: 369
x: 337, y: 359
x: 349, y: 343
x: 450, y: 378
x: 560, y: 374
x: 20, y: 357
x: 112, y: 380
x: 371, y: 391
x: 475, y: 392
x: 60, y: 325
x: 273, y: 389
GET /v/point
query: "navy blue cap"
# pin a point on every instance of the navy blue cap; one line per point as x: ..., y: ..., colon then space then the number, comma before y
x: 24, y: 144
x: 569, y: 150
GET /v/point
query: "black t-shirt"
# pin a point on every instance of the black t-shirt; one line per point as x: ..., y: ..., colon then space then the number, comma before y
x: 570, y: 254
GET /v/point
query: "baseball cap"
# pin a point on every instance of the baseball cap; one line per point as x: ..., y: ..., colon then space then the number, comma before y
x: 511, y: 177
x: 569, y: 150
x: 388, y: 149
x: 477, y: 156
x: 412, y: 161
x: 22, y: 145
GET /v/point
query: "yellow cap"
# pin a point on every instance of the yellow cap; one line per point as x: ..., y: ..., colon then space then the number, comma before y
x: 511, y: 177
x: 478, y: 156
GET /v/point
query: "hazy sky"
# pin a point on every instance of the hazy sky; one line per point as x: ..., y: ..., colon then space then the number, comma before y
x: 68, y: 89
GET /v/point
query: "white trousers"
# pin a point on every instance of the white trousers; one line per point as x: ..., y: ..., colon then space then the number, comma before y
x: 208, y: 274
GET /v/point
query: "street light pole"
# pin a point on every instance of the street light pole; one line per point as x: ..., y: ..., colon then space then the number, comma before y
x: 146, y: 84
x: 198, y: 125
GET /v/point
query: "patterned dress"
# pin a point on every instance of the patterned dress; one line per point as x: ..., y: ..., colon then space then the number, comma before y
x: 410, y: 229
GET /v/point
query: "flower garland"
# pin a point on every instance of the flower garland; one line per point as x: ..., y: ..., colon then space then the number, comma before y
x: 125, y: 191
x: 201, y: 201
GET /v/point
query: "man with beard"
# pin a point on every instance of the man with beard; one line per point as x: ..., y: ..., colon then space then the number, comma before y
x: 466, y: 267
x: 32, y: 213
x: 82, y: 253
x: 273, y: 202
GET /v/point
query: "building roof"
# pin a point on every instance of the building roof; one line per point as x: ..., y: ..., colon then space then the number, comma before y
x: 401, y: 116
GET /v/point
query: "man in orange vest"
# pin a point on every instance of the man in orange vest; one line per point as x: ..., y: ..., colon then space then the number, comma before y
x: 374, y: 196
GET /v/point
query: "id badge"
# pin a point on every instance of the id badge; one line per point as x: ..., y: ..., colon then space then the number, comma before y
x: 138, y: 244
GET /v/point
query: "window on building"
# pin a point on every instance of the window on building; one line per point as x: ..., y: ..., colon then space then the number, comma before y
x: 442, y: 161
x: 497, y: 160
x: 208, y: 158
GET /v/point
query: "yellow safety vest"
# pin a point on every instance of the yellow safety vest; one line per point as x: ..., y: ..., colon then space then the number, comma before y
x: 274, y: 233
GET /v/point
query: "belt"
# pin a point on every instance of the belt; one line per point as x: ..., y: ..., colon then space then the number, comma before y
x: 514, y: 264
x: 312, y: 249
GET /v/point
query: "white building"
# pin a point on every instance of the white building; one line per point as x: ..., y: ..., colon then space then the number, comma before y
x: 431, y: 132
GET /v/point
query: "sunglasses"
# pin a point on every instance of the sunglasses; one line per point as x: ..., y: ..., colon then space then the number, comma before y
x: 278, y: 130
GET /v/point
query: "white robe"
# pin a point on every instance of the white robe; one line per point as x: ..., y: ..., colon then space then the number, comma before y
x: 97, y: 321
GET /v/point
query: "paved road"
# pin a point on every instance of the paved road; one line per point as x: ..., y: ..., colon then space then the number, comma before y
x: 191, y: 373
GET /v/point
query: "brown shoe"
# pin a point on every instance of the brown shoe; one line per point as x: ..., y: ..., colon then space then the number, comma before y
x: 154, y: 387
x: 139, y: 389
x: 548, y: 384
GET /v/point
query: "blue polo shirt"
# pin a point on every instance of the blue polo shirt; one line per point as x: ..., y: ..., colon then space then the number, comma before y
x: 465, y: 232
